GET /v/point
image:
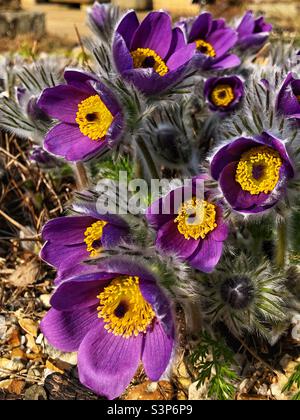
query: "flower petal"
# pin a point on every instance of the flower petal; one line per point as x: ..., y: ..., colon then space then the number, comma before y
x: 122, y: 58
x: 226, y: 61
x: 246, y: 25
x: 169, y: 239
x: 80, y: 291
x: 67, y: 230
x: 107, y: 363
x: 66, y: 330
x: 201, y: 27
x: 157, y: 351
x: 178, y: 41
x: 207, y: 256
x: 181, y: 57
x: 286, y: 102
x: 113, y: 235
x: 239, y: 199
x: 229, y: 153
x: 278, y: 145
x: 63, y: 256
x: 127, y: 27
x: 160, y: 304
x: 155, y: 32
x: 222, y: 40
x: 61, y: 102
x: 67, y: 141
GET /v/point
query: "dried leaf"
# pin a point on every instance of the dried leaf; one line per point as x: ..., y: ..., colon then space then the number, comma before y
x: 14, y: 386
x: 162, y: 390
x: 25, y: 274
x: 30, y: 326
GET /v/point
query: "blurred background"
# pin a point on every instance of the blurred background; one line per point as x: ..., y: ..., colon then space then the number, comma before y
x: 26, y: 22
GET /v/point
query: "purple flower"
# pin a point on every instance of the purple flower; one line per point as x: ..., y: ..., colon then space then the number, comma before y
x: 189, y: 226
x: 90, y: 117
x: 43, y: 158
x: 223, y: 93
x: 213, y: 40
x: 115, y: 318
x: 72, y: 239
x: 150, y: 54
x: 252, y: 33
x: 98, y: 14
x: 252, y: 172
x: 288, y: 99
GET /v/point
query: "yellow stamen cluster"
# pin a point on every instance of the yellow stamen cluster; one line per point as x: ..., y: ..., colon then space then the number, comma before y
x: 94, y: 118
x: 222, y: 95
x: 205, y: 48
x: 94, y: 233
x: 196, y: 218
x: 123, y: 308
x: 147, y: 58
x: 266, y: 162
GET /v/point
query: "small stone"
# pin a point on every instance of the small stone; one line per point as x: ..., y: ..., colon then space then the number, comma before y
x: 164, y: 391
x: 29, y: 326
x: 182, y: 375
x: 52, y: 368
x: 35, y: 392
x: 45, y: 299
x: 56, y: 355
x: 31, y: 345
x: 39, y: 339
x: 8, y: 366
x: 14, y: 386
x: 18, y: 353
x: 14, y: 338
x: 3, y: 327
x: 197, y: 393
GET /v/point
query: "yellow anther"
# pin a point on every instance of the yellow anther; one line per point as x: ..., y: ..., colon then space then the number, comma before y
x: 94, y: 118
x: 196, y: 218
x: 92, y: 234
x: 147, y: 58
x: 258, y: 170
x: 123, y: 308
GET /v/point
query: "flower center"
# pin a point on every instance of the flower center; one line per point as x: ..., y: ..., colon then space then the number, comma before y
x: 258, y: 170
x: 93, y: 236
x: 205, y: 48
x: 93, y: 118
x: 196, y: 218
x: 123, y: 308
x: 222, y: 95
x: 146, y: 58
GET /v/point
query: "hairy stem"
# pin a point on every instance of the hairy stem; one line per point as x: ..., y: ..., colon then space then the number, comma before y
x: 281, y: 244
x: 82, y: 181
x: 144, y: 153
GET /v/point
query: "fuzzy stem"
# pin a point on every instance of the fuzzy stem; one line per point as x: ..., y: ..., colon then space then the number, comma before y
x: 82, y: 181
x: 281, y: 244
x: 144, y: 152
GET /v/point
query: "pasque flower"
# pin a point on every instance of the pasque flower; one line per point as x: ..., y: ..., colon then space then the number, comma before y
x: 252, y: 33
x: 213, y: 41
x: 223, y: 93
x: 150, y: 54
x: 245, y: 295
x: 98, y: 14
x: 189, y: 226
x: 90, y: 117
x: 72, y: 239
x: 288, y: 99
x: 114, y: 317
x: 252, y: 172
